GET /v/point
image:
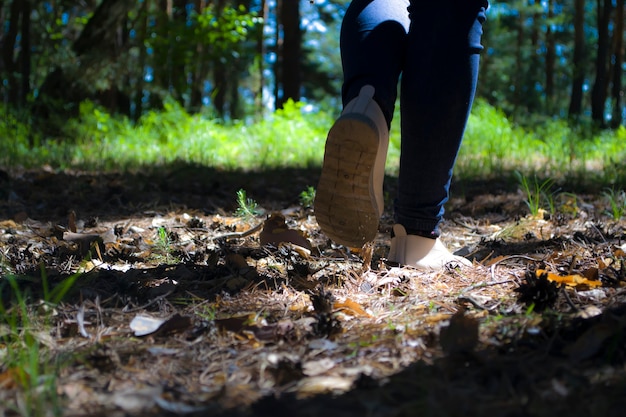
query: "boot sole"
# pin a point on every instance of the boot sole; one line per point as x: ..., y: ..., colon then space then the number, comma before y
x: 345, y: 207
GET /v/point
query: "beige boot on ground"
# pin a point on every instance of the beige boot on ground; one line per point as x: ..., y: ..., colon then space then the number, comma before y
x: 349, y: 196
x: 421, y: 252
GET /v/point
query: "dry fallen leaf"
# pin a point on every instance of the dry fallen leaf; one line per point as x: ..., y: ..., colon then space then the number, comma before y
x: 351, y: 307
x: 85, y: 241
x: 9, y: 378
x: 461, y: 336
x: 276, y: 231
x: 323, y: 384
x: 591, y: 341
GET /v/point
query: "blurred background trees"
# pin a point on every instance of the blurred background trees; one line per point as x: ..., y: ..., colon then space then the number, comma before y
x: 237, y: 59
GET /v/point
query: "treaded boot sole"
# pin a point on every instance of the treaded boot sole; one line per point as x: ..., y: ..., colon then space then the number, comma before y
x: 344, y: 206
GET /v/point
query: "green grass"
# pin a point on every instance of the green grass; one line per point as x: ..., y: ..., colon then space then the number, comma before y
x: 292, y: 137
x: 24, y: 327
x: 617, y: 203
x: 536, y: 192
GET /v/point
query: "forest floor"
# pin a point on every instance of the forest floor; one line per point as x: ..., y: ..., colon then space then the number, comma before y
x: 176, y: 310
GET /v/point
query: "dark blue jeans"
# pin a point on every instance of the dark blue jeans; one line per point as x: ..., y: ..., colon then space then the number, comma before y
x: 435, y: 46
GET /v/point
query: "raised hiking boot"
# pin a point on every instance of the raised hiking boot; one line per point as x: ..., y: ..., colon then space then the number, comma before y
x: 349, y: 196
x: 421, y: 252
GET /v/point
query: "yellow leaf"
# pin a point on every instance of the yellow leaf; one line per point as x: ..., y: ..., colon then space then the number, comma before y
x: 576, y: 281
x: 350, y: 307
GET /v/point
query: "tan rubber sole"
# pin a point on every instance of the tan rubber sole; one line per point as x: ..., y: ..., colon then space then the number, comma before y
x: 345, y: 207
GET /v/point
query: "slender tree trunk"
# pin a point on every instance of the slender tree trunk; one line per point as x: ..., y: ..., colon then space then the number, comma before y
x: 531, y: 98
x: 8, y: 52
x: 160, y: 75
x: 291, y: 73
x: 141, y: 37
x: 234, y: 104
x: 278, y: 45
x: 25, y: 58
x: 550, y: 59
x: 578, y: 76
x: 618, y: 59
x: 200, y: 70
x: 220, y: 77
x: 258, y: 99
x: 180, y: 69
x: 220, y: 86
x: 519, y: 67
x: 599, y: 90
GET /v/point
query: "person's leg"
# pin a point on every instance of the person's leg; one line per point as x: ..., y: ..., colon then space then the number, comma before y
x: 349, y: 199
x: 373, y: 49
x: 438, y: 86
x: 437, y: 90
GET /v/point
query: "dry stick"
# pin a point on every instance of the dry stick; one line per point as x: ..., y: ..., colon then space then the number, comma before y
x: 154, y: 300
x: 476, y: 303
x: 485, y: 284
x: 569, y: 300
x: 529, y: 258
x: 239, y: 235
x: 493, y: 265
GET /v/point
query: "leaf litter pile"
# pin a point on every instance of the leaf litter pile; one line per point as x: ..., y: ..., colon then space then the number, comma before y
x: 161, y: 294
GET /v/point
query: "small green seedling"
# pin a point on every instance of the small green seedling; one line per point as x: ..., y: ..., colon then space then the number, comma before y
x: 163, y: 250
x: 535, y: 192
x: 247, y: 207
x: 307, y: 197
x: 617, y: 203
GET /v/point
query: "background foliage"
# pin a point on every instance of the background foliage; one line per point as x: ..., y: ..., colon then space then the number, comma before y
x: 98, y: 71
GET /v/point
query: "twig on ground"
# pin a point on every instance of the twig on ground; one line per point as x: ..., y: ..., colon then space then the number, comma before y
x: 239, y: 235
x: 485, y: 284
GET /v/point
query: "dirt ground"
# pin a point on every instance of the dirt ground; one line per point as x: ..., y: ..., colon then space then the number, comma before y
x: 182, y: 308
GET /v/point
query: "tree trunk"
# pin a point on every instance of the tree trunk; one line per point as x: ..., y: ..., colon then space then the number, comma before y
x: 258, y: 100
x: 599, y: 90
x: 95, y: 47
x: 519, y: 67
x: 618, y: 60
x: 99, y: 34
x: 141, y: 37
x: 578, y: 76
x: 220, y: 86
x: 291, y: 78
x: 8, y: 64
x: 235, y: 103
x: 200, y: 69
x: 25, y: 54
x: 278, y: 42
x: 550, y: 59
x: 220, y: 77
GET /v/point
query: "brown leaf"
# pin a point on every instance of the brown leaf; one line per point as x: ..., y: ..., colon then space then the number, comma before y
x: 591, y: 341
x: 9, y: 378
x: 461, y: 336
x: 274, y: 332
x: 175, y: 324
x: 234, y: 324
x: 276, y: 231
x: 84, y: 241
